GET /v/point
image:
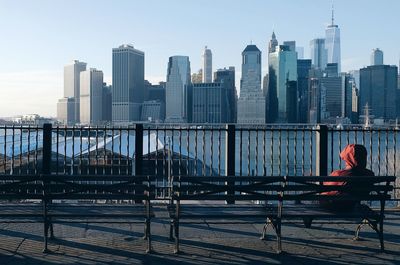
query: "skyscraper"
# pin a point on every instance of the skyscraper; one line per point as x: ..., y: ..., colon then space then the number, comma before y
x: 251, y: 103
x: 303, y: 69
x: 332, y: 43
x: 72, y: 84
x: 91, y: 97
x: 378, y: 89
x: 211, y: 103
x: 207, y: 65
x: 227, y: 76
x: 319, y: 54
x: 273, y: 43
x: 282, y: 70
x: 177, y: 96
x: 128, y: 83
x: 377, y: 57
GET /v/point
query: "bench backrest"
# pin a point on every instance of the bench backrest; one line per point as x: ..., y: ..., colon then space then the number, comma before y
x: 76, y: 187
x: 285, y: 188
x: 357, y: 188
x: 226, y: 188
x: 20, y: 187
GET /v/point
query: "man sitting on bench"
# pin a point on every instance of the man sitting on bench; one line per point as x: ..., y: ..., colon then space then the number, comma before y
x: 355, y: 156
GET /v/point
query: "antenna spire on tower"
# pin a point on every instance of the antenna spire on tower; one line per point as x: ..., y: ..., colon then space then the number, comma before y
x: 333, y: 18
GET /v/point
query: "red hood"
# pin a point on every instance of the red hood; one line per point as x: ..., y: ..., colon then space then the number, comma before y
x: 355, y: 156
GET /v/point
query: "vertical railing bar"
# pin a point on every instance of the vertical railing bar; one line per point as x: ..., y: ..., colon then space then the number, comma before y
x: 219, y: 151
x: 164, y: 153
x: 149, y: 164
x: 295, y: 152
x: 195, y: 151
x: 204, y: 151
x: 311, y: 152
x: 387, y: 151
x: 97, y: 149
x: 20, y: 150
x: 264, y: 154
x: 58, y: 150
x: 248, y: 152
x: 28, y: 167
x: 73, y: 151
x: 81, y: 164
x: 257, y: 164
x: 287, y: 132
x: 303, y: 151
x: 379, y: 152
x: 280, y: 151
x: 340, y: 148
x: 112, y: 150
x: 272, y: 152
x: 180, y: 150
x: 187, y: 149
x: 65, y: 149
x: 5, y: 150
x: 13, y: 147
x: 104, y: 150
x: 370, y: 148
x: 88, y: 148
x: 241, y: 151
x: 212, y: 150
x: 395, y: 151
x: 120, y: 150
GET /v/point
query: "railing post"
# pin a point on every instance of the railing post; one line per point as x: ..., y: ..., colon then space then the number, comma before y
x: 46, y: 170
x: 322, y: 151
x: 46, y: 163
x: 138, y: 152
x: 230, y: 158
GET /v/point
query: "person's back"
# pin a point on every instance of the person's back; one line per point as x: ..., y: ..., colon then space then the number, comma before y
x: 355, y: 157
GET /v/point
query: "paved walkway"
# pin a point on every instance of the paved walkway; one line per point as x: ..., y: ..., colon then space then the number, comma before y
x: 203, y: 243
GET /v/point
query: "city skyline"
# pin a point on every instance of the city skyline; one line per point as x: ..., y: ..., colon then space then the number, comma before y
x: 39, y: 46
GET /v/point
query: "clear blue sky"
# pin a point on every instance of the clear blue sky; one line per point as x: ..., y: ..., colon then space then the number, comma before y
x: 39, y: 37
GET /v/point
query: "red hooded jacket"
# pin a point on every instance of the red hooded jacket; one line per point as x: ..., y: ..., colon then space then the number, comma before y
x: 355, y: 156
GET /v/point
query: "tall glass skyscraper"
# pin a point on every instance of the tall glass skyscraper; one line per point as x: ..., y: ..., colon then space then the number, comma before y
x: 332, y: 43
x: 177, y: 94
x: 207, y: 65
x: 128, y: 83
x: 282, y: 70
x: 251, y: 103
x: 319, y: 54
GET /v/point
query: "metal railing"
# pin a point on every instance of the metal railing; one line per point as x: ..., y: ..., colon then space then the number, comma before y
x: 199, y: 150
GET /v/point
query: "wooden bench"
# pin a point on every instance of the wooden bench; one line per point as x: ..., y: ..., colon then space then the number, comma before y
x: 311, y: 192
x: 62, y: 198
x: 284, y: 193
x: 191, y: 193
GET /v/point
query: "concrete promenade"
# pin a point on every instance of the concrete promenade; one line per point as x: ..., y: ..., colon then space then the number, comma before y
x: 202, y: 243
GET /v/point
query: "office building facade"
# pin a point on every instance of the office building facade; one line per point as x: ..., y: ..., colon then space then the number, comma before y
x: 178, y: 89
x: 251, y: 103
x: 91, y: 96
x: 378, y: 89
x: 72, y: 85
x: 319, y: 54
x: 128, y: 83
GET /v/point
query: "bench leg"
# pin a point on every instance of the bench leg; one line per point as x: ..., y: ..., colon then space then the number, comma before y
x: 176, y: 229
x: 356, y: 236
x: 45, y: 227
x: 307, y: 222
x: 279, y: 236
x: 380, y: 233
x: 264, y: 232
x: 171, y: 230
x: 148, y: 236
